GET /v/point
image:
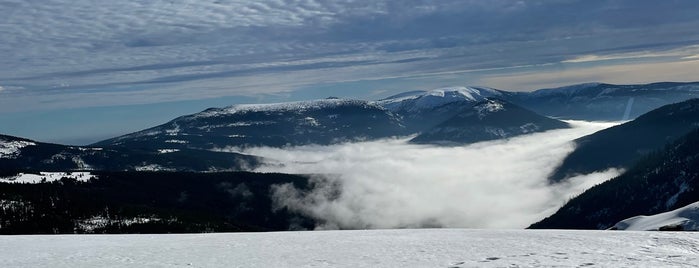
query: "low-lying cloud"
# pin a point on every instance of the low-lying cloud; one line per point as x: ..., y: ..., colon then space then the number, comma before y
x: 392, y: 184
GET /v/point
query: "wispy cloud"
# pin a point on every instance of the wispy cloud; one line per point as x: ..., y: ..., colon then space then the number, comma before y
x: 164, y: 50
x: 622, y: 73
x: 389, y: 183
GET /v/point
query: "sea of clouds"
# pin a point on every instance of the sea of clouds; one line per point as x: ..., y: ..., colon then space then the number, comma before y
x: 391, y: 183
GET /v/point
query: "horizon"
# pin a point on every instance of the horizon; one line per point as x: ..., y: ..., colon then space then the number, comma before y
x: 159, y: 117
x: 76, y: 73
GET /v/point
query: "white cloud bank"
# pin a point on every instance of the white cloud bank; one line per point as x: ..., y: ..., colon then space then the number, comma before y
x: 392, y: 184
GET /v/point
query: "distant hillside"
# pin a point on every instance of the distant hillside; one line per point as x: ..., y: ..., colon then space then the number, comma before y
x: 622, y: 145
x: 149, y: 202
x: 604, y: 102
x: 324, y: 121
x: 490, y: 119
x: 662, y: 181
x: 23, y: 154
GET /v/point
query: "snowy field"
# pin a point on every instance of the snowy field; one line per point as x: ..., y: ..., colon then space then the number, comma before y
x: 378, y: 248
x: 47, y: 177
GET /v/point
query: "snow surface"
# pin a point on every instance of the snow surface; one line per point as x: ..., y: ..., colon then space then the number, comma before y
x: 10, y: 149
x: 167, y: 151
x: 152, y: 167
x: 48, y: 176
x: 377, y: 248
x: 490, y: 106
x: 686, y: 217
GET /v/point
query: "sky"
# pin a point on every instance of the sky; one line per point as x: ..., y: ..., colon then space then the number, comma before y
x: 79, y: 71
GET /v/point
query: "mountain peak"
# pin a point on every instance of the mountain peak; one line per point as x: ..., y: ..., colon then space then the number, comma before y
x: 421, y: 100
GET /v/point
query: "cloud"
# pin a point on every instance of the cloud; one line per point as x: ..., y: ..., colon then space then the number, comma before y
x: 623, y: 73
x: 391, y: 184
x: 153, y: 51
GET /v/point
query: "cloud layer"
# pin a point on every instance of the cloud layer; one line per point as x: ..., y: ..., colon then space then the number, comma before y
x: 392, y: 184
x: 58, y: 53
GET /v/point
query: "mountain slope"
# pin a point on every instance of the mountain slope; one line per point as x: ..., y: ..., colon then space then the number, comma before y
x: 604, y: 102
x: 296, y: 123
x: 621, y: 145
x: 488, y: 120
x: 662, y: 181
x: 149, y: 202
x: 22, y: 154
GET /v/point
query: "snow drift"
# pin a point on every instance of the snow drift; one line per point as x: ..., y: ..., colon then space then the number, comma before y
x: 682, y: 219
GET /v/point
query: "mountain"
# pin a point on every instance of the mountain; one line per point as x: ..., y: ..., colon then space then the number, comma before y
x: 682, y: 219
x: 330, y: 121
x: 23, y: 154
x: 621, y: 145
x: 663, y: 180
x: 323, y: 121
x: 422, y: 110
x: 590, y: 101
x: 604, y: 102
x: 490, y: 119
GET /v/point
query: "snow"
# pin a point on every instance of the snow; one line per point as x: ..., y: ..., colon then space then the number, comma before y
x: 177, y: 141
x: 488, y: 107
x: 686, y: 217
x: 95, y: 222
x: 310, y: 121
x: 10, y: 149
x: 438, y: 97
x: 282, y: 107
x: 377, y: 248
x: 48, y: 176
x: 152, y: 167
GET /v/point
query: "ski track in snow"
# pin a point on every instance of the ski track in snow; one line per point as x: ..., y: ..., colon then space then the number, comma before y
x: 377, y: 248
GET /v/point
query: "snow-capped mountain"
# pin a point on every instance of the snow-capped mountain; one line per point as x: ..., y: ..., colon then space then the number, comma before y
x: 422, y: 110
x: 604, y: 102
x: 324, y: 121
x: 490, y: 119
x: 661, y: 181
x: 415, y: 101
x: 682, y: 219
x: 622, y: 145
x: 22, y: 154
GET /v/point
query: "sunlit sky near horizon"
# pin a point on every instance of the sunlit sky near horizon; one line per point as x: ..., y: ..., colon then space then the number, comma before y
x: 79, y: 71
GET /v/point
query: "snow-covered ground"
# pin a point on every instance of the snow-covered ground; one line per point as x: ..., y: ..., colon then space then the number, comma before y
x: 685, y: 218
x: 378, y: 248
x: 47, y: 177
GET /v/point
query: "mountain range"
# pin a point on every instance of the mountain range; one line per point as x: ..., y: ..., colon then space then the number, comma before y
x: 658, y: 150
x: 446, y: 116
